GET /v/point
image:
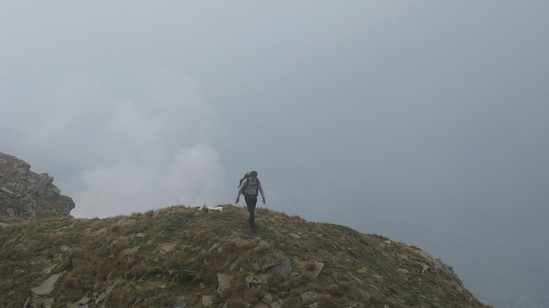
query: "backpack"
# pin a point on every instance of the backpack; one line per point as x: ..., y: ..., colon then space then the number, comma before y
x: 243, y: 191
x: 242, y: 179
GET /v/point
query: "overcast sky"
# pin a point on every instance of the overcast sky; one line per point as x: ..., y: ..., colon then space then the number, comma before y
x: 425, y: 121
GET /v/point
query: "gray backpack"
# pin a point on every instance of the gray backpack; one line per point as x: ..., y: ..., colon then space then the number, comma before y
x: 245, y: 188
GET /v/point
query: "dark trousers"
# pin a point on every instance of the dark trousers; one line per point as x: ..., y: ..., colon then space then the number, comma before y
x: 251, y: 202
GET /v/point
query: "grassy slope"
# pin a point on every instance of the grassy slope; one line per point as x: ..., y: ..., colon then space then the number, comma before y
x: 154, y: 258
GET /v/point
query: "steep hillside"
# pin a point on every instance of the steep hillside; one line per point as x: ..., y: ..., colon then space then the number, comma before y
x: 24, y: 193
x: 188, y: 257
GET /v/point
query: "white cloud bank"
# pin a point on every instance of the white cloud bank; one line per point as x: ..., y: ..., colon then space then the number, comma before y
x: 194, y: 176
x: 141, y: 144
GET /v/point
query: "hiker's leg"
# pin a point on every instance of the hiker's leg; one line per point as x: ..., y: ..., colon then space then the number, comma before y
x: 251, y: 203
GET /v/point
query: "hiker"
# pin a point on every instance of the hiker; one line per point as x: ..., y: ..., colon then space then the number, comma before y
x: 250, y: 186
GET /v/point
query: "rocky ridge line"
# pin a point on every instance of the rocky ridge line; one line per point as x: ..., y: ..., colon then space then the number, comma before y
x: 24, y: 193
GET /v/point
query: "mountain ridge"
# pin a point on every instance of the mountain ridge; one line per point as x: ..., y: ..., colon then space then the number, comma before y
x: 199, y: 257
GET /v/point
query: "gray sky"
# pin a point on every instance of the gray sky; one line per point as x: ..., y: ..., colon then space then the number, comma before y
x: 425, y: 121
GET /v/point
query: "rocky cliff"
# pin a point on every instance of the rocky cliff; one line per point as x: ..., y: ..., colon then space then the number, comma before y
x: 24, y: 193
x: 189, y: 257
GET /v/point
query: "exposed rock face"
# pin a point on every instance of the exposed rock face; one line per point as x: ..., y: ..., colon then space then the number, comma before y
x: 24, y: 193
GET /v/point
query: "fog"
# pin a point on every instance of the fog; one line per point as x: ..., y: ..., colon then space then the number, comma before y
x: 424, y: 121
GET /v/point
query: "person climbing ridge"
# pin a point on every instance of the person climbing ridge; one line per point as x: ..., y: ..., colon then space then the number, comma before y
x: 250, y: 187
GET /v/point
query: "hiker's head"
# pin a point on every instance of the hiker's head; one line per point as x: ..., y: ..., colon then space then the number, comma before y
x: 253, y: 174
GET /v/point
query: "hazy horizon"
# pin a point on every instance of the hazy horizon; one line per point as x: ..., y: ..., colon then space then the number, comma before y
x: 425, y: 121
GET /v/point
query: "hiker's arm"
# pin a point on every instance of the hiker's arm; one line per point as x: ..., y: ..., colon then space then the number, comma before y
x: 261, y: 191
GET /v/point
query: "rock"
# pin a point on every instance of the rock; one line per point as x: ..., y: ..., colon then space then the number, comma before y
x: 22, y: 170
x: 127, y: 222
x: 180, y: 302
x: 241, y: 243
x: 3, y: 225
x: 295, y: 236
x: 10, y: 212
x: 224, y: 282
x: 207, y: 300
x: 30, y: 194
x: 166, y: 247
x: 104, y: 295
x: 366, y: 296
x: 138, y: 300
x: 214, y: 246
x: 46, y: 302
x: 56, y: 191
x: 7, y: 191
x: 101, y: 297
x: 43, y: 180
x: 129, y: 251
x: 47, y: 286
x: 263, y: 244
x: 268, y: 263
x: 276, y: 305
x: 424, y: 267
x: 101, y: 231
x: 84, y: 301
x: 311, y: 268
x: 49, y: 269
x: 318, y: 268
x: 308, y: 296
x: 434, y: 264
x: 267, y: 299
x: 258, y: 280
x: 283, y: 270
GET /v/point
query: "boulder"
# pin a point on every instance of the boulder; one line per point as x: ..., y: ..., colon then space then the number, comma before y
x: 308, y: 296
x: 46, y: 287
x: 224, y: 282
x: 207, y: 300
